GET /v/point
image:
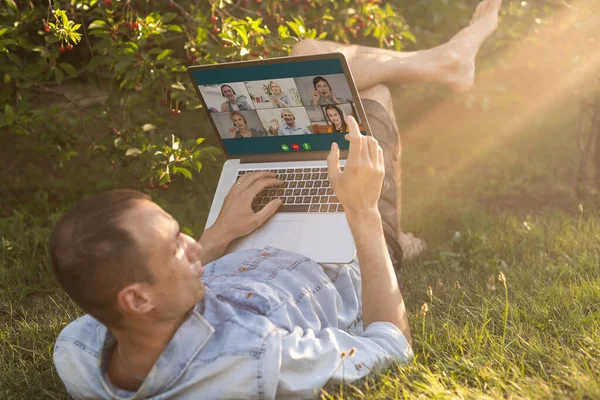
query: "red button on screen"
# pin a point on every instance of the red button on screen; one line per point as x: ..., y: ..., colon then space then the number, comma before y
x: 296, y: 147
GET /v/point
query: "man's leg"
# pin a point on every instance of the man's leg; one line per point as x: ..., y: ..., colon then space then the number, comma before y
x: 383, y: 124
x: 451, y: 64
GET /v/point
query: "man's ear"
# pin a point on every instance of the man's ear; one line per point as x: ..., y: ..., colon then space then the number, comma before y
x: 135, y: 299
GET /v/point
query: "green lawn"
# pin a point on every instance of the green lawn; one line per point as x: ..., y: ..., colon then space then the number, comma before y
x: 487, y: 200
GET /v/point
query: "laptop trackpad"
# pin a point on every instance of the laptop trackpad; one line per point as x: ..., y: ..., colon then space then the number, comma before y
x: 279, y: 234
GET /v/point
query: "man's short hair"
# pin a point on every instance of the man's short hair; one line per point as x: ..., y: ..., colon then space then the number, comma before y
x: 94, y: 257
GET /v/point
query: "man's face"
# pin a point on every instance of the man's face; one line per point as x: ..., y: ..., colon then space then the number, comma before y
x: 323, y: 88
x: 288, y: 117
x: 173, y: 259
x: 228, y: 93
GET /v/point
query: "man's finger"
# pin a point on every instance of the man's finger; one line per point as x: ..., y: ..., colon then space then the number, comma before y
x: 355, y: 139
x: 268, y: 210
x: 249, y: 179
x: 373, y: 146
x: 380, y: 160
x: 333, y: 162
x: 260, y: 184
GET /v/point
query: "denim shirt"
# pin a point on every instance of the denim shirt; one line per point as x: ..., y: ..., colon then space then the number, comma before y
x: 272, y: 324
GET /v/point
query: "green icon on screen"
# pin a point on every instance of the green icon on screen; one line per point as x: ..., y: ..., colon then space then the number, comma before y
x: 306, y: 146
x: 285, y: 147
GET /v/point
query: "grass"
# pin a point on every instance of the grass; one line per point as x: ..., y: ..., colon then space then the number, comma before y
x: 489, y: 205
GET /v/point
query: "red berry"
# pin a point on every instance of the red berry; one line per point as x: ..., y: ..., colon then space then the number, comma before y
x: 47, y: 28
x: 164, y: 187
x: 371, y: 17
x: 171, y: 4
x: 108, y: 3
x: 69, y: 47
x: 151, y: 186
x: 177, y: 112
x: 214, y: 19
x: 62, y: 49
x: 216, y: 29
x: 164, y: 102
x: 265, y: 52
x: 136, y: 26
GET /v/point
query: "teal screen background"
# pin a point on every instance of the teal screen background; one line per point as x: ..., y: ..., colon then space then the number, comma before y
x: 273, y: 144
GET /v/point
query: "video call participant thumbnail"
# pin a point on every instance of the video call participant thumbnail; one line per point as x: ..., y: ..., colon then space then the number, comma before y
x: 288, y: 125
x: 324, y: 93
x: 240, y: 127
x: 336, y: 117
x: 233, y: 102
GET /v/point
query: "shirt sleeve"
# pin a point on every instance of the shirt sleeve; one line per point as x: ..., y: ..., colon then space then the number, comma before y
x: 310, y: 360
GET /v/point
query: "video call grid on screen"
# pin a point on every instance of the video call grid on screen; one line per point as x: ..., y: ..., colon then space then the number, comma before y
x: 295, y: 106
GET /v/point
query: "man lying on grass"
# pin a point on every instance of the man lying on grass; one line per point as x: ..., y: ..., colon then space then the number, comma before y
x: 170, y: 318
x: 166, y: 319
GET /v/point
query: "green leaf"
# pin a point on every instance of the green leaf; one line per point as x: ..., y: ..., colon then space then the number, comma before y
x: 165, y: 53
x: 175, y: 28
x: 14, y: 58
x: 11, y: 4
x: 3, y: 31
x: 409, y: 36
x: 97, y: 24
x: 132, y: 152
x: 187, y: 231
x: 9, y: 115
x: 59, y: 75
x: 68, y: 68
x: 183, y: 171
x: 199, y: 140
x: 168, y: 17
x: 178, y: 86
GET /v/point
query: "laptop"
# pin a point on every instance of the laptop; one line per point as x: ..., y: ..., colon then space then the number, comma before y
x: 282, y: 115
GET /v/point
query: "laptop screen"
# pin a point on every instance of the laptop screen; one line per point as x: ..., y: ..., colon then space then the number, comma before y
x: 296, y: 106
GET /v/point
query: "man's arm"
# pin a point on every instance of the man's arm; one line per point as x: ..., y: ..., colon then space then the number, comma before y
x: 237, y: 218
x: 358, y: 187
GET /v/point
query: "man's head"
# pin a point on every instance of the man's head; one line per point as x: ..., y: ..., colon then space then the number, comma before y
x: 119, y: 255
x: 288, y: 116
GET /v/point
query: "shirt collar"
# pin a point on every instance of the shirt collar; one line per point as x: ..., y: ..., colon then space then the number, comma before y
x: 190, y: 338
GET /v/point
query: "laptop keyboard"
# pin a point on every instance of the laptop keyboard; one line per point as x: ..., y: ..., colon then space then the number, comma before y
x: 303, y: 190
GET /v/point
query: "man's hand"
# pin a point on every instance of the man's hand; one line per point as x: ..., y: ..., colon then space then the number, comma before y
x: 358, y: 187
x: 236, y: 218
x: 225, y: 106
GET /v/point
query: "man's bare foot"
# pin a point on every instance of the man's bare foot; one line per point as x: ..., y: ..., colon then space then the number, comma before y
x: 411, y: 246
x: 458, y: 55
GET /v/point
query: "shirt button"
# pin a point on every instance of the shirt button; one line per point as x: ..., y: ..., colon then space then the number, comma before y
x: 249, y: 294
x: 359, y: 366
x: 265, y: 254
x: 243, y: 269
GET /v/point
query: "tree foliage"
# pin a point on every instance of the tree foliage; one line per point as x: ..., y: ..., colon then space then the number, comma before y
x: 136, y: 53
